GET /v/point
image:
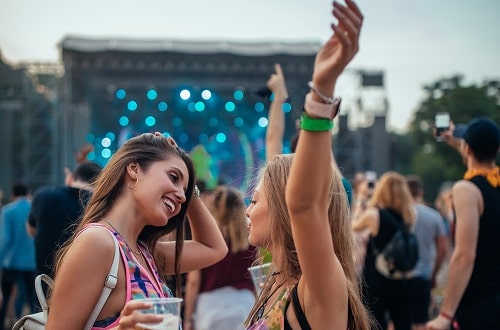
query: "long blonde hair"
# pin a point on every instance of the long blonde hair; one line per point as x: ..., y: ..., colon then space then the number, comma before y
x: 392, y: 192
x: 274, y: 178
x: 228, y: 210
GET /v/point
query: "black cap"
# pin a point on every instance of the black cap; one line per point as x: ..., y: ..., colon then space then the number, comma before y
x: 482, y: 135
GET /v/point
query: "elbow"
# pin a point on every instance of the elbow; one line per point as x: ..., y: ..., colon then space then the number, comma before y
x: 465, y: 258
x: 222, y: 251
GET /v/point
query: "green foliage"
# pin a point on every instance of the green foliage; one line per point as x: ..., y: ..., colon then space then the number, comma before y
x: 436, y: 162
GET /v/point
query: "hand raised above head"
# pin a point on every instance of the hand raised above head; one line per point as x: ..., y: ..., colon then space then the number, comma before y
x: 276, y: 83
x: 340, y: 49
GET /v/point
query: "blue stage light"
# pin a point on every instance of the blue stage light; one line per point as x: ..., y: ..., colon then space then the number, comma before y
x: 220, y: 137
x: 110, y: 135
x: 238, y: 95
x: 120, y: 94
x: 206, y: 94
x: 152, y: 94
x: 106, y: 142
x: 263, y: 122
x: 162, y: 106
x: 287, y: 107
x: 132, y: 105
x: 259, y: 107
x: 185, y: 94
x: 150, y: 121
x: 123, y: 121
x: 106, y: 153
x: 238, y: 122
x: 230, y: 106
x: 199, y: 106
x: 203, y: 138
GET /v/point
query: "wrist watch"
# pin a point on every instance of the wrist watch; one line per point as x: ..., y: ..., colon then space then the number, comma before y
x: 321, y: 110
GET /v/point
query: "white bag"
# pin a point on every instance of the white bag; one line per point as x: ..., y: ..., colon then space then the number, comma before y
x: 225, y: 308
x: 37, y: 321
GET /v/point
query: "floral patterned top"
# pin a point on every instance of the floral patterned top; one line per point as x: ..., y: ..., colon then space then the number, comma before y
x: 274, y: 319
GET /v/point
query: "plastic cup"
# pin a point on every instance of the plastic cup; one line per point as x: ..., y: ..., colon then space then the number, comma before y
x: 169, y: 308
x: 259, y: 274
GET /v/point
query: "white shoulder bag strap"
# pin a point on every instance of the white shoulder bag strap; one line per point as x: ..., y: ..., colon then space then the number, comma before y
x: 109, y: 285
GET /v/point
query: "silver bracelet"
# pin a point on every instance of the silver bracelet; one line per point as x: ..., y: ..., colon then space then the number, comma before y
x: 196, y: 192
x: 326, y: 99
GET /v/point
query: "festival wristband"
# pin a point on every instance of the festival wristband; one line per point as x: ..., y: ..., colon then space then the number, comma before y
x: 307, y: 123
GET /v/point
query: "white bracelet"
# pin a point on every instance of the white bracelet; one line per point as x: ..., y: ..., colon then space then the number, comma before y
x: 326, y: 99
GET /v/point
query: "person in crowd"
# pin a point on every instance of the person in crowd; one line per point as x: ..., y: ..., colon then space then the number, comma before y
x: 52, y: 226
x: 142, y: 194
x: 472, y: 294
x: 432, y: 247
x: 390, y: 206
x: 220, y: 296
x: 299, y: 211
x: 17, y: 251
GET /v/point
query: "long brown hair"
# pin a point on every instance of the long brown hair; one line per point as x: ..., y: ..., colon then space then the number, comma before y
x: 392, y: 192
x: 229, y: 211
x: 274, y: 178
x: 144, y: 150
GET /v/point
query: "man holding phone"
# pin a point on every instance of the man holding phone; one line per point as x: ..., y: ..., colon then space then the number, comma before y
x: 472, y: 298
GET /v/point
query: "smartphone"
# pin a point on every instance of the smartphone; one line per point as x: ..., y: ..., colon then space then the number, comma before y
x: 442, y: 123
x: 371, y: 178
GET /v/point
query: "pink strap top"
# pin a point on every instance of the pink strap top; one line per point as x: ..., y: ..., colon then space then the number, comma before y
x: 139, y: 283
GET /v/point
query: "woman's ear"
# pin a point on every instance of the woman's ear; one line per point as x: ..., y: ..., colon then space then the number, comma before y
x: 133, y: 170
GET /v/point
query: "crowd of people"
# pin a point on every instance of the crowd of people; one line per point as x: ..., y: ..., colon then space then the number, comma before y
x: 322, y: 237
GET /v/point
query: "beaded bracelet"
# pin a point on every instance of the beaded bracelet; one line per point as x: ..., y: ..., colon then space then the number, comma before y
x: 308, y: 123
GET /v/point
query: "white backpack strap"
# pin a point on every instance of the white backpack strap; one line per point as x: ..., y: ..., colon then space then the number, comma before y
x: 39, y: 291
x: 109, y: 284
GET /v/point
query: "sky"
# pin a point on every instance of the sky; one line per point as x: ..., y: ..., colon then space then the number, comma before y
x: 414, y: 42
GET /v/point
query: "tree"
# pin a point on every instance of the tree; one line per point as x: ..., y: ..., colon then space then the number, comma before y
x: 435, y: 162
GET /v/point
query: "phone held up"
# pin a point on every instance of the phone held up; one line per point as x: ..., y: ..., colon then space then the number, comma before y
x: 442, y: 123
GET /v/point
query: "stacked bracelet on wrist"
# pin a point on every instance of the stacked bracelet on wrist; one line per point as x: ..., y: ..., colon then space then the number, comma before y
x: 326, y: 99
x: 308, y: 123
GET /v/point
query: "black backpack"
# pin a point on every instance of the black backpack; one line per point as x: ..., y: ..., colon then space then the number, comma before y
x: 399, y: 256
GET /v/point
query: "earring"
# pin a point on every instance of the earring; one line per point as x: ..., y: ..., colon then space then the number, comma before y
x: 135, y: 185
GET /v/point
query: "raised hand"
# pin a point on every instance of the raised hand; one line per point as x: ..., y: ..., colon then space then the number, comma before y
x: 339, y: 50
x: 276, y: 83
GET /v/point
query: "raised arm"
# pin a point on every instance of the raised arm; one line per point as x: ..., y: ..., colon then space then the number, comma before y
x: 276, y: 125
x: 323, y: 283
x: 206, y: 247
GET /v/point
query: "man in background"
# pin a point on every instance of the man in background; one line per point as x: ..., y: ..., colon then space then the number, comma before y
x: 17, y: 252
x: 432, y: 246
x: 472, y: 296
x: 55, y: 213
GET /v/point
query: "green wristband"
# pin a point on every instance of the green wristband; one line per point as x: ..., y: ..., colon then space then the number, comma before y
x: 308, y: 123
